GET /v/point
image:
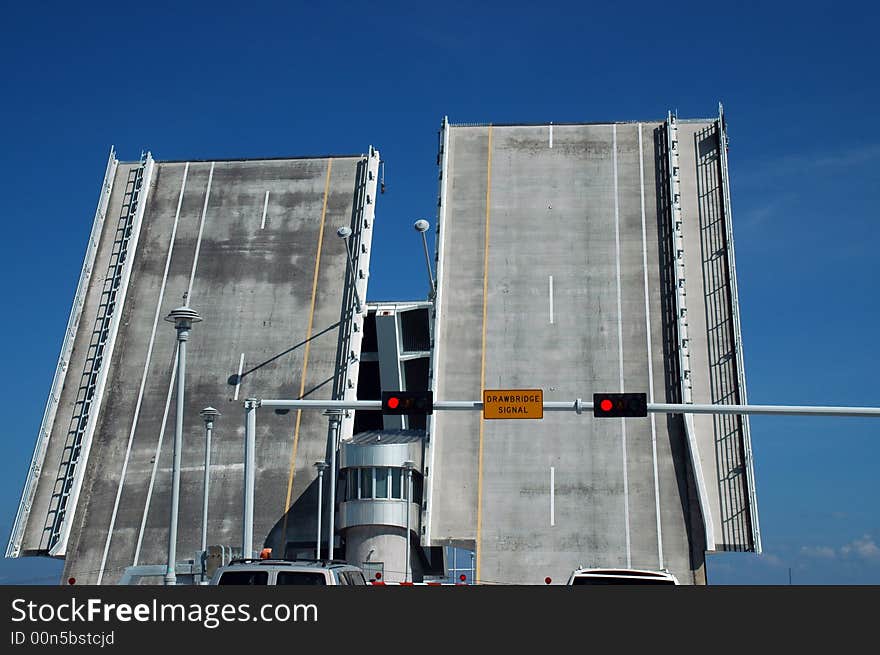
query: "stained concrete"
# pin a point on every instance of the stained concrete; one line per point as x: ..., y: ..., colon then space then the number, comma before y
x: 573, y: 211
x: 254, y: 284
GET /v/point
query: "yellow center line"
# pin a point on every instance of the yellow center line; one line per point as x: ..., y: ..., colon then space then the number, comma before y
x: 483, y: 362
x: 305, y: 368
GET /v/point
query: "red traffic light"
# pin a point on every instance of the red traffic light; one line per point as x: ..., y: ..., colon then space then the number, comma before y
x: 407, y: 402
x: 620, y: 404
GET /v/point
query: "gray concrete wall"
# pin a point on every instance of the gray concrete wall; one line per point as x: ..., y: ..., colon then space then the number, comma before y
x: 271, y: 290
x: 573, y: 211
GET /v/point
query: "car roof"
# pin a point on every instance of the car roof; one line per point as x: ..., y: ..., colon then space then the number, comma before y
x: 311, y: 564
x: 630, y: 573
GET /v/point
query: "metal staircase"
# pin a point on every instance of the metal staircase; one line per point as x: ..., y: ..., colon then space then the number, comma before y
x: 82, y: 408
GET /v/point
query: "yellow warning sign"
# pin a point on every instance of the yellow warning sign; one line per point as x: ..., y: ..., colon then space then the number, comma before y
x: 513, y: 403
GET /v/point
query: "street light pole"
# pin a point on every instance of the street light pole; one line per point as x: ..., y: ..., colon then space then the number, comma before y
x: 343, y: 233
x: 321, y: 466
x: 209, y: 414
x: 408, y: 467
x: 250, y: 429
x: 421, y: 226
x: 335, y: 416
x: 183, y: 319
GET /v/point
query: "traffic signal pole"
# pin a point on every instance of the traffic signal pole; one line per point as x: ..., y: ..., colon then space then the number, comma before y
x: 580, y: 406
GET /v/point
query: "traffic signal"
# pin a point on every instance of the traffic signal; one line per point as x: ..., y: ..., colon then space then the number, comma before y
x: 620, y: 404
x: 407, y: 402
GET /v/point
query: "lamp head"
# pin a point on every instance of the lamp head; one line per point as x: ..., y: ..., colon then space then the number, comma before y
x: 183, y: 317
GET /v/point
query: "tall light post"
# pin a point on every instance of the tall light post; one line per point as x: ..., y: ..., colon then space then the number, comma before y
x: 321, y: 466
x: 208, y: 414
x: 250, y: 465
x: 408, y: 467
x: 343, y: 233
x: 421, y: 226
x: 183, y: 319
x: 335, y: 416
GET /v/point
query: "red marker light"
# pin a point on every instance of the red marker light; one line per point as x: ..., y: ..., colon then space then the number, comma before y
x: 71, y: 581
x: 378, y: 575
x: 611, y: 405
x: 462, y: 577
x: 548, y: 580
x: 407, y: 402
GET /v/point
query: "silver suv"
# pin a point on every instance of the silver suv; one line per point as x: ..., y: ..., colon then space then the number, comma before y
x: 288, y: 572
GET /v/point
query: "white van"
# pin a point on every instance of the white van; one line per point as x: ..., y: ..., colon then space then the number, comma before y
x: 621, y: 577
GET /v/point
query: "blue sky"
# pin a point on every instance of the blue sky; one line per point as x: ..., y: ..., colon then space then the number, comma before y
x: 211, y: 80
